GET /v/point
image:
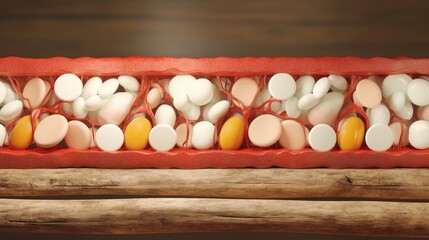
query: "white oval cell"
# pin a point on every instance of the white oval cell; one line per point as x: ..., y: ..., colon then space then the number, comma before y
x: 162, y: 138
x: 3, y: 135
x: 11, y: 110
x: 192, y: 112
x: 2, y: 92
x: 418, y: 134
x: 406, y: 112
x: 10, y: 94
x: 200, y: 92
x: 418, y: 92
x: 307, y: 101
x: 291, y: 107
x: 94, y: 103
x: 109, y: 138
x: 68, y: 87
x: 218, y: 111
x: 379, y: 114
x: 395, y: 83
x: 321, y: 87
x: 304, y: 85
x: 379, y: 137
x: 78, y: 108
x: 91, y: 87
x: 203, y: 135
x: 397, y: 101
x: 51, y: 131
x: 181, y: 101
x: 165, y: 114
x: 326, y: 111
x: 180, y: 83
x: 282, y: 86
x: 129, y: 83
x: 108, y: 88
x: 338, y: 82
x: 322, y: 138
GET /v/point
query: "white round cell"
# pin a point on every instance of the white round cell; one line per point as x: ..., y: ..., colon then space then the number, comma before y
x: 322, y: 138
x: 3, y: 135
x: 200, y: 92
x: 94, y: 103
x: 68, y: 87
x: 202, y: 135
x: 2, y: 92
x: 379, y: 114
x: 162, y: 138
x: 78, y: 108
x: 307, y: 101
x: 180, y: 83
x: 397, y: 101
x: 192, y: 112
x: 418, y: 134
x: 109, y: 138
x: 165, y: 114
x: 91, y: 87
x: 321, y: 87
x: 379, y: 137
x: 291, y: 107
x: 282, y: 86
x: 418, y: 92
x: 108, y: 88
x: 218, y: 111
x: 406, y: 112
x: 395, y: 83
x: 338, y: 82
x: 304, y: 85
x: 11, y: 110
x: 129, y: 83
x: 181, y: 101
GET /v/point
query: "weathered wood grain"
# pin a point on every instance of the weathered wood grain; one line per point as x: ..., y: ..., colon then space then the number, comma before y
x: 227, y: 183
x: 163, y: 215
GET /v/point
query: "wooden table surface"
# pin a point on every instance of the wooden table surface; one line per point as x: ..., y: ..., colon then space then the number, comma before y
x: 315, y: 201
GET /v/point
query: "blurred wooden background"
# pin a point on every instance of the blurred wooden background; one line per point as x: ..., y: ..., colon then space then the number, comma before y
x: 194, y: 28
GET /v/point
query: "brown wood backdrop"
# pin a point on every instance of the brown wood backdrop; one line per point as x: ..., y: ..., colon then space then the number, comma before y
x: 195, y: 28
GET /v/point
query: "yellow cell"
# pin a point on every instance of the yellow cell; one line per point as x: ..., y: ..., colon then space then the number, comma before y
x: 232, y: 134
x: 137, y: 133
x: 21, y: 136
x: 351, y: 134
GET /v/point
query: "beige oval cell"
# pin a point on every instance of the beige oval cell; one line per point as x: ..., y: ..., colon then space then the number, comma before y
x: 245, y: 90
x: 292, y: 136
x: 78, y: 137
x: 368, y: 93
x: 34, y: 92
x: 154, y: 97
x: 396, y: 129
x: 183, y: 133
x: 51, y: 131
x: 265, y: 130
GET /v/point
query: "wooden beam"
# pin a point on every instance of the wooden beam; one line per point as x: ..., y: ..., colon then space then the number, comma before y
x: 166, y: 215
x: 226, y: 183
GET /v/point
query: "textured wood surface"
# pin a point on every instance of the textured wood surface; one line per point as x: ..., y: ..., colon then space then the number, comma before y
x: 196, y: 28
x: 155, y: 215
x: 227, y: 183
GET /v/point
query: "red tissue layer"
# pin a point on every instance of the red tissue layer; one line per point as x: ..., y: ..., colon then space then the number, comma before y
x: 190, y: 158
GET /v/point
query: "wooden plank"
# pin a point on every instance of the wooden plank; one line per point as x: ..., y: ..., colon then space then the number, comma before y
x: 161, y: 215
x: 228, y: 183
x: 214, y: 28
